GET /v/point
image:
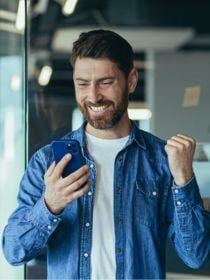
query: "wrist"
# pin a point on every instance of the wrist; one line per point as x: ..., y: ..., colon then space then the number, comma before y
x: 54, y: 211
x: 183, y: 179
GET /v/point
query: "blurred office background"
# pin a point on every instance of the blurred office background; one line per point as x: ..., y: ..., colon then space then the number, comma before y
x: 171, y: 40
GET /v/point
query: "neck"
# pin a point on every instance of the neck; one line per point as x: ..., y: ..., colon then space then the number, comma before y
x: 121, y: 129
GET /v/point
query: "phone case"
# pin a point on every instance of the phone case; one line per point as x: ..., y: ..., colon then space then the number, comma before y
x: 62, y: 147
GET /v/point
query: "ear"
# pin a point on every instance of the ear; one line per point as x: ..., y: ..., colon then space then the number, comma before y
x: 132, y: 80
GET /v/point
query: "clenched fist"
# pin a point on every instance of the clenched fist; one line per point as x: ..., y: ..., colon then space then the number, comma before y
x: 60, y: 191
x: 180, y: 150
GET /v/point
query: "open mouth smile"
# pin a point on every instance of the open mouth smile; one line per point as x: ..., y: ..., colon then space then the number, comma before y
x: 99, y: 109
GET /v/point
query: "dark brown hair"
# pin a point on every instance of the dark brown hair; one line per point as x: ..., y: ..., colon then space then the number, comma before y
x: 104, y: 44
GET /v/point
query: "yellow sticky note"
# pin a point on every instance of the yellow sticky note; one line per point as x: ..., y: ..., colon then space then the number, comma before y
x: 191, y: 96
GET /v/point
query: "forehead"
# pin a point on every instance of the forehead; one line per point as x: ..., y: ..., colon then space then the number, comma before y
x: 98, y: 67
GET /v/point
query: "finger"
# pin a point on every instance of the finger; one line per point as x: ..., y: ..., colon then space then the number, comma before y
x: 170, y: 149
x: 81, y: 192
x: 50, y: 169
x: 174, y: 143
x: 71, y: 178
x: 182, y: 140
x: 78, y: 184
x: 191, y: 139
x: 61, y: 165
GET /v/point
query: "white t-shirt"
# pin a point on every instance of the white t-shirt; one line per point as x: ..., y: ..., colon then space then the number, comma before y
x: 104, y: 151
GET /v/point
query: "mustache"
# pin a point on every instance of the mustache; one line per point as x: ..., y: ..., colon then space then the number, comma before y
x: 99, y: 103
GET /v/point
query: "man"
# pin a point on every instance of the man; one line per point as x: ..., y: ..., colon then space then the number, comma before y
x: 136, y: 189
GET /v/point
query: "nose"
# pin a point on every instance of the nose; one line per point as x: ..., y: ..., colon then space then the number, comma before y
x: 94, y: 94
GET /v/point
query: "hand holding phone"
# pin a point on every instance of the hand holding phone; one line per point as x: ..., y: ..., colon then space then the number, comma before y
x: 62, y: 147
x: 63, y: 187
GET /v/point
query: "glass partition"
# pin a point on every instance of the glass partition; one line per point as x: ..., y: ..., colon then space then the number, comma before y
x: 12, y: 116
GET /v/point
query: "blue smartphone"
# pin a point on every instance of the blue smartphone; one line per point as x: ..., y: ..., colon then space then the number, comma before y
x: 62, y: 147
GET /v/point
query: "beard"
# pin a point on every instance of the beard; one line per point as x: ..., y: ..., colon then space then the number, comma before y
x: 110, y: 117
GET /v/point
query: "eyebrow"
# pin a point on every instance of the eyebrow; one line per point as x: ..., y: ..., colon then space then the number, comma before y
x: 99, y: 80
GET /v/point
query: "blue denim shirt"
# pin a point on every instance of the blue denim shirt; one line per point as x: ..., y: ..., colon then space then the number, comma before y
x: 148, y: 206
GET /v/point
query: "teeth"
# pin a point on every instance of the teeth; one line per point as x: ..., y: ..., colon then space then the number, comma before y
x: 98, y: 109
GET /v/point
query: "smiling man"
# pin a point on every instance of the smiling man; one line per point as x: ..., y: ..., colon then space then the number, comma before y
x: 109, y: 219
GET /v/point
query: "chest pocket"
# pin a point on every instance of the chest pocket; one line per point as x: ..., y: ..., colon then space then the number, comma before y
x: 149, y: 203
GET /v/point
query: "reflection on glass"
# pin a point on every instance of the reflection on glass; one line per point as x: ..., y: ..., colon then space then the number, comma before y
x: 12, y: 121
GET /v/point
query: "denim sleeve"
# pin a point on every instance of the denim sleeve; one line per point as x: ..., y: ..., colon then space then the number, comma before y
x: 189, y: 228
x: 31, y: 224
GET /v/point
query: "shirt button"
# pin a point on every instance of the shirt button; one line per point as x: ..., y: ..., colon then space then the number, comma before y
x: 176, y: 191
x: 86, y: 255
x: 87, y: 224
x: 119, y: 250
x: 49, y: 227
x: 179, y: 203
x: 55, y: 220
x: 154, y: 193
x: 91, y: 166
x: 89, y: 193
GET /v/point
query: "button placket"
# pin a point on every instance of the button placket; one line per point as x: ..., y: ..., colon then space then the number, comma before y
x: 86, y: 233
x: 118, y: 183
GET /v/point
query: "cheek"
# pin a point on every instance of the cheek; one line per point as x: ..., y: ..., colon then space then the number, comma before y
x: 80, y: 95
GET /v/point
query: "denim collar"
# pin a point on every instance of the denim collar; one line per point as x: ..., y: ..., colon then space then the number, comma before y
x: 135, y: 135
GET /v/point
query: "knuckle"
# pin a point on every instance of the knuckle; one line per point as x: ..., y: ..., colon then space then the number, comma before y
x: 188, y: 144
x: 76, y: 184
x: 73, y: 197
x: 83, y: 179
x: 73, y: 177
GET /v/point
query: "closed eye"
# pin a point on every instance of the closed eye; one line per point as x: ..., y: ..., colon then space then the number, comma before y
x: 82, y: 84
x: 107, y: 82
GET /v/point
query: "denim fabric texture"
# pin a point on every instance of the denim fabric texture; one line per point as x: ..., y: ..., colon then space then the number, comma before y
x: 148, y: 207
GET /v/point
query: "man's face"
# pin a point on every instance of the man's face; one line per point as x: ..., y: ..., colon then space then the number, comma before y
x: 101, y: 91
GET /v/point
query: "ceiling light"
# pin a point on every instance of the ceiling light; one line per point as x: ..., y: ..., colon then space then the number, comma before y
x: 141, y: 39
x: 45, y: 75
x: 20, y: 19
x: 9, y: 27
x: 69, y: 7
x: 7, y: 15
x: 139, y: 114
